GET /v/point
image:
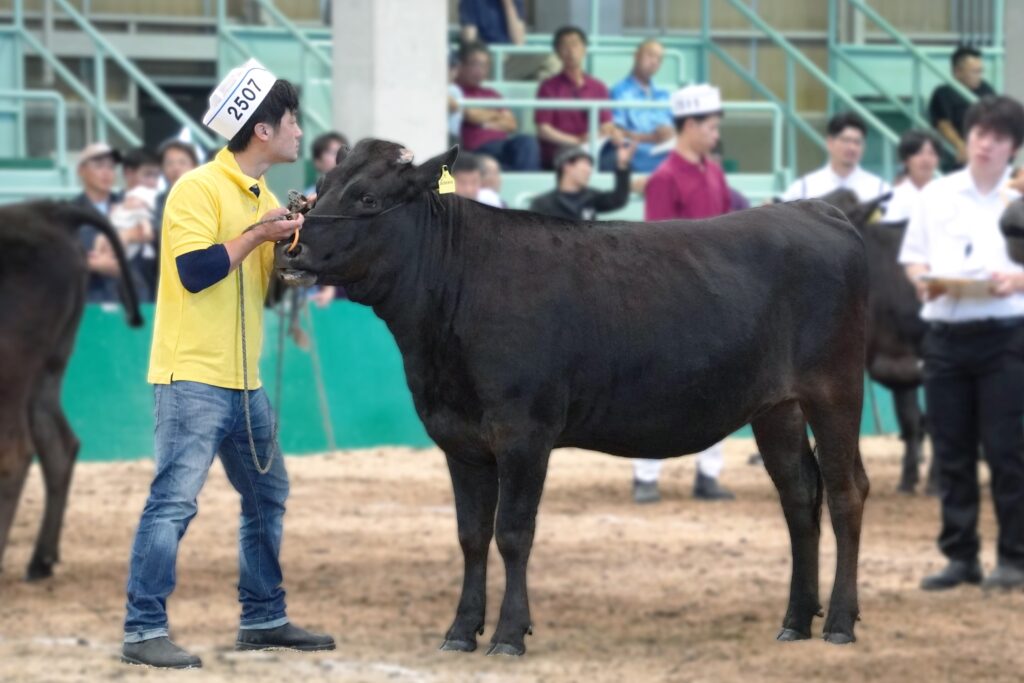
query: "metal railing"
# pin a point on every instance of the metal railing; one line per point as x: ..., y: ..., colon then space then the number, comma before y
x: 593, y: 52
x: 105, y: 49
x: 60, y: 118
x: 793, y: 57
x: 594, y: 107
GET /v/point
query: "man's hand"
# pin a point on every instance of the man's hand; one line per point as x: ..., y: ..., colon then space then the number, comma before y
x: 928, y: 290
x: 624, y: 154
x: 273, y: 227
x: 1005, y: 284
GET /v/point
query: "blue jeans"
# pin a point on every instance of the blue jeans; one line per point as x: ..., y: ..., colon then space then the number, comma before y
x: 194, y: 422
x: 516, y: 153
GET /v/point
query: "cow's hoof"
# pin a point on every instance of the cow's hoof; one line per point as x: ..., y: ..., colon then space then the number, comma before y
x: 839, y: 638
x: 789, y: 635
x: 455, y: 645
x: 38, y: 572
x: 906, y: 488
x: 506, y: 649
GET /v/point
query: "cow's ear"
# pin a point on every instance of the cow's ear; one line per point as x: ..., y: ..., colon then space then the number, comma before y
x: 429, y: 172
x: 865, y: 211
x: 342, y: 153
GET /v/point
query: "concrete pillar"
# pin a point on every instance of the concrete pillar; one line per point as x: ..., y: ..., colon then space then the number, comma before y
x: 1013, y: 29
x: 391, y: 73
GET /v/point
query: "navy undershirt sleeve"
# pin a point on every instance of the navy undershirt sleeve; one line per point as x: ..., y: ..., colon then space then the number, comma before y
x: 204, y: 267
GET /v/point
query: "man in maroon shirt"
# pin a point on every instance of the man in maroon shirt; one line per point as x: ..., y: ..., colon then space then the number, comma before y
x: 558, y: 128
x: 688, y: 184
x: 487, y: 131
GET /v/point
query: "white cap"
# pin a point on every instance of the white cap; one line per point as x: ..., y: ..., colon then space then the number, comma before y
x: 695, y: 100
x: 237, y: 97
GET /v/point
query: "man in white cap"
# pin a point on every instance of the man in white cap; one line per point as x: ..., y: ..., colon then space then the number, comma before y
x: 688, y: 184
x: 97, y: 173
x: 209, y: 258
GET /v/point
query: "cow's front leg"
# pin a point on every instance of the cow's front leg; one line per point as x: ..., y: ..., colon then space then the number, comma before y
x: 475, y: 484
x: 908, y: 413
x: 521, y: 474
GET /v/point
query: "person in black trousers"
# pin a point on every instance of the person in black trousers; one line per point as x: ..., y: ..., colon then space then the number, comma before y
x: 974, y: 348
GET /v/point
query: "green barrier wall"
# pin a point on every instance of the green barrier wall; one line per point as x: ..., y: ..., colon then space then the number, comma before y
x: 110, y: 405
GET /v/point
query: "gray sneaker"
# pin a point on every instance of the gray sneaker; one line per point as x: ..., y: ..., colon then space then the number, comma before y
x: 708, y: 488
x: 159, y: 652
x: 645, y: 492
x: 286, y: 637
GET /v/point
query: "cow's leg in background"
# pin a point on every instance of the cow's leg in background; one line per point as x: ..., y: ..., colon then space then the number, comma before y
x: 475, y: 485
x: 57, y: 448
x: 909, y: 416
x: 56, y: 444
x: 521, y: 471
x: 15, y: 458
x: 781, y: 436
x: 834, y: 417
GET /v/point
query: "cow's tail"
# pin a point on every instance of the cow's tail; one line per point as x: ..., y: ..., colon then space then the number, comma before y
x: 72, y: 217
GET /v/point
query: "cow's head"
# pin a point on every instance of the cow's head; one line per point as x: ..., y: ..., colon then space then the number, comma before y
x: 1012, y: 226
x: 358, y: 212
x: 857, y: 212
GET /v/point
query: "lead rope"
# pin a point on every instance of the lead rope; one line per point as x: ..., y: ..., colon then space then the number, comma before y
x: 245, y: 392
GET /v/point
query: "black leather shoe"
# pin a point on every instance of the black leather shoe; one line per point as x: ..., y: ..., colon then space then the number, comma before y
x: 159, y: 652
x: 1005, y: 577
x: 286, y: 637
x: 952, y: 575
x: 645, y: 492
x: 708, y: 488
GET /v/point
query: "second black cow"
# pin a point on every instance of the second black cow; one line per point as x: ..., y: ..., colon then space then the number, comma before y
x: 521, y: 333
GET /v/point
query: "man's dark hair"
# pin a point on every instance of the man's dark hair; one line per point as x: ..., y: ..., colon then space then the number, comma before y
x: 181, y: 146
x: 322, y: 142
x: 567, y: 31
x: 912, y: 141
x: 567, y: 155
x: 961, y: 53
x: 846, y: 119
x: 281, y: 99
x: 467, y: 50
x: 680, y: 121
x: 999, y: 114
x: 465, y: 163
x: 134, y: 159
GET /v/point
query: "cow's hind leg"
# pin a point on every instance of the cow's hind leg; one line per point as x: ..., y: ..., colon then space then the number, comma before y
x: 781, y: 437
x: 521, y: 473
x: 15, y: 458
x: 835, y: 421
x: 908, y: 413
x: 57, y: 448
x: 475, y: 484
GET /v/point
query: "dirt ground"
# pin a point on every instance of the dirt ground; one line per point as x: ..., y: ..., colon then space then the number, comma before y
x: 679, y: 591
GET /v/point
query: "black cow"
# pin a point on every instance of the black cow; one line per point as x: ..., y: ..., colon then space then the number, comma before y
x: 42, y: 294
x: 895, y: 329
x: 1012, y: 226
x: 521, y: 333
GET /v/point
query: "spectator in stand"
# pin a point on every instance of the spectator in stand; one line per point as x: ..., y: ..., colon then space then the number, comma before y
x: 648, y: 128
x: 573, y: 198
x: 562, y: 127
x: 490, y: 181
x: 97, y: 172
x: 176, y: 159
x: 466, y: 171
x: 947, y: 108
x: 133, y: 217
x: 325, y: 150
x: 455, y: 98
x: 496, y: 22
x: 489, y: 131
x: 845, y: 142
x: 919, y: 154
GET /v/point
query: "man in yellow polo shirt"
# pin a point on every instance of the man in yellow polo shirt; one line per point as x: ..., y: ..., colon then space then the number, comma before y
x: 196, y: 367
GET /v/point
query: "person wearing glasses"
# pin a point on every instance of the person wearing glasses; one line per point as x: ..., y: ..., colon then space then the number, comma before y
x: 847, y: 133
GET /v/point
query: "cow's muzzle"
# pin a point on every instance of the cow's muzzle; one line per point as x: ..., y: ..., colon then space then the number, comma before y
x: 289, y: 267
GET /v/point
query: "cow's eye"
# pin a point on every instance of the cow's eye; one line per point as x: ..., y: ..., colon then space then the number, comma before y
x: 368, y: 200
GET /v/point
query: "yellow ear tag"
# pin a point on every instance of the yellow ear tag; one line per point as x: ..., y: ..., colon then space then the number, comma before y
x: 446, y: 185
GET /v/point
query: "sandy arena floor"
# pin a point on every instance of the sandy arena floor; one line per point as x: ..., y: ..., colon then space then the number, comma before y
x: 680, y: 591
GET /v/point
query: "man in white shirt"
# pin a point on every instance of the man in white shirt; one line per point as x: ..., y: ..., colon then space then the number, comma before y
x: 974, y: 347
x: 845, y: 141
